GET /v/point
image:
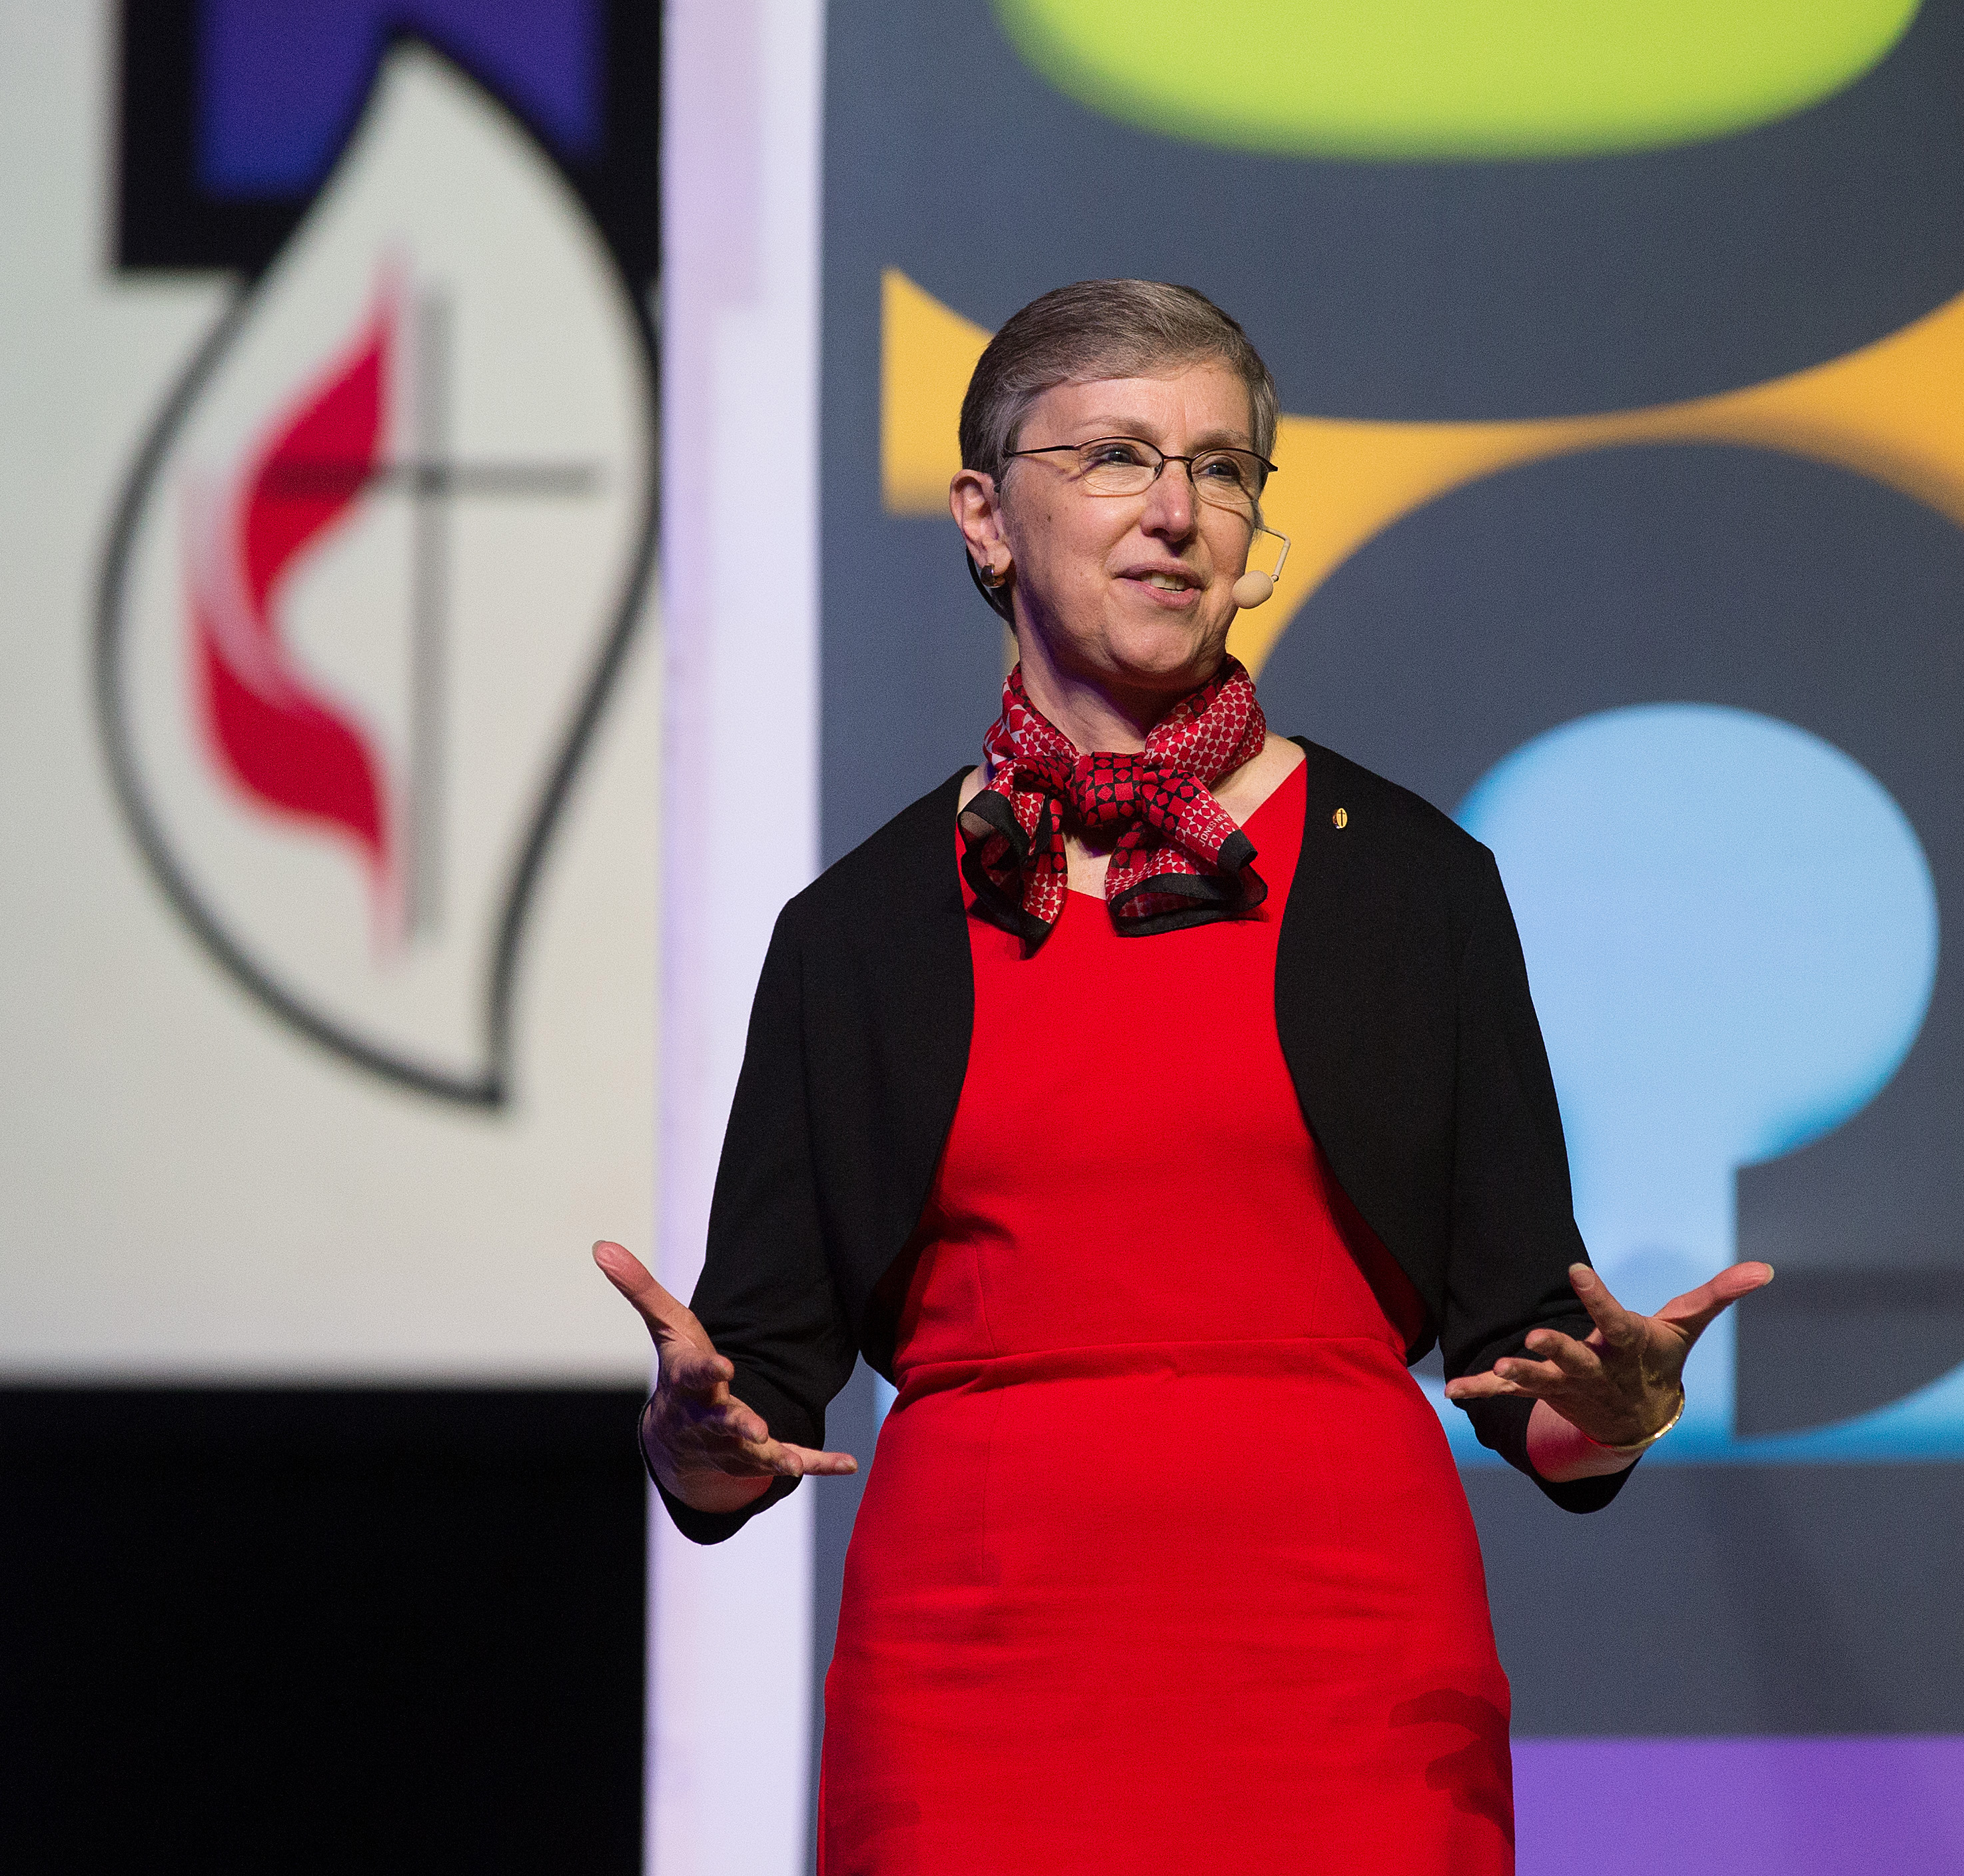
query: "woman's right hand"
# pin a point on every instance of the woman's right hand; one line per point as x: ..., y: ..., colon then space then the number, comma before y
x: 706, y: 1447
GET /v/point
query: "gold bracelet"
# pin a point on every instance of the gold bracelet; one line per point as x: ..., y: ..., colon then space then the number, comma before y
x: 1637, y: 1446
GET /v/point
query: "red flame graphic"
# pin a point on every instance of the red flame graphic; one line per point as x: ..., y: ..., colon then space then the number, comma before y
x: 284, y: 743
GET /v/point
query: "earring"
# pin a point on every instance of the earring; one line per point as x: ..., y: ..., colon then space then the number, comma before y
x: 990, y: 575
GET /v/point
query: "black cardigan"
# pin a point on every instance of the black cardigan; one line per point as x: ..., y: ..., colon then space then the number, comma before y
x: 1402, y: 1003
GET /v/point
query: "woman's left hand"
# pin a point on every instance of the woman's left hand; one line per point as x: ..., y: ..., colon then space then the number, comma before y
x: 1623, y: 1383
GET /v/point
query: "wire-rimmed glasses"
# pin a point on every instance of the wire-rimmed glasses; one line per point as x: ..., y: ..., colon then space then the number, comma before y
x: 1224, y: 478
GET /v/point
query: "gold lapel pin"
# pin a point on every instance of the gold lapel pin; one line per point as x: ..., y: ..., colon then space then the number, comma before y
x: 1340, y: 818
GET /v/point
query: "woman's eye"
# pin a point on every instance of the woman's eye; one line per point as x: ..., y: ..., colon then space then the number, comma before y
x: 1223, y: 469
x: 1128, y: 454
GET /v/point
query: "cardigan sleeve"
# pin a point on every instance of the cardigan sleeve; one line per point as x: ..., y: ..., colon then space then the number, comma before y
x: 1513, y: 1226
x: 766, y: 1295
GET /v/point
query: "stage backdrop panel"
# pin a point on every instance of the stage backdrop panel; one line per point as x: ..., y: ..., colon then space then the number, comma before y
x: 1623, y: 370
x: 328, y: 480
x: 329, y: 823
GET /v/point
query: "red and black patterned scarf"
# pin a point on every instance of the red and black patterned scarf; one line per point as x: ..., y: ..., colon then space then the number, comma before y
x: 1179, y: 859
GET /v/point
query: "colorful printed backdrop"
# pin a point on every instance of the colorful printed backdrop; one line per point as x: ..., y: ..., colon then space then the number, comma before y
x: 1624, y: 465
x: 1623, y: 354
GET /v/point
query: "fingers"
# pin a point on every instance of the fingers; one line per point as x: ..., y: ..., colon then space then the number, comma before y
x: 665, y: 1315
x: 746, y: 1450
x: 1533, y: 1379
x: 733, y: 1486
x: 694, y: 1420
x: 689, y: 1433
x: 1695, y: 1311
x: 1576, y: 1360
x: 620, y: 1265
x: 730, y: 1422
x: 1554, y: 1365
x: 1621, y: 1329
x: 1488, y: 1387
x: 698, y: 1371
x: 1616, y: 1387
x: 797, y: 1461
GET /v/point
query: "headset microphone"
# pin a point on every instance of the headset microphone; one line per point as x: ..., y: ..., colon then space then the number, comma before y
x: 1254, y: 587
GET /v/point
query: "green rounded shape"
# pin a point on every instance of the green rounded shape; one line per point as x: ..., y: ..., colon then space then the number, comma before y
x: 1446, y: 78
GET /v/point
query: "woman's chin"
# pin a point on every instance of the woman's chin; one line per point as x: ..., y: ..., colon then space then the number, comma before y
x: 1172, y: 651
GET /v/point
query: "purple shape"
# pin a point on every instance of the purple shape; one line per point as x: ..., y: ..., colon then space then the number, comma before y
x: 1767, y: 1807
x: 280, y: 82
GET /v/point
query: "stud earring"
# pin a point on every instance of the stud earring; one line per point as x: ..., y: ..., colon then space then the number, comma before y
x: 990, y: 575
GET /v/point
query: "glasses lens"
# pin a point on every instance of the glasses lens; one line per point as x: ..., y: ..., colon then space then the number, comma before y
x: 1117, y: 466
x: 1228, y: 479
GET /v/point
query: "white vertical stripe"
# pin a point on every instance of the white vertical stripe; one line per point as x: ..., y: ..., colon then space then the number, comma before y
x: 730, y: 1627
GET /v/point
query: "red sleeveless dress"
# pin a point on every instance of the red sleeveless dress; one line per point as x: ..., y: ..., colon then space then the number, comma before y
x: 1163, y: 1563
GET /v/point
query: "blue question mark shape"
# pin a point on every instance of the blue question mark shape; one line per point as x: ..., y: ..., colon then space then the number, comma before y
x: 1731, y: 932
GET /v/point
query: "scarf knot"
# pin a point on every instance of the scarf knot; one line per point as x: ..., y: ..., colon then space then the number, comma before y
x: 1178, y: 858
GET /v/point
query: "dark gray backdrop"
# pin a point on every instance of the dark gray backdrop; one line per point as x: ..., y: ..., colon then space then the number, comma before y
x: 1721, y: 1600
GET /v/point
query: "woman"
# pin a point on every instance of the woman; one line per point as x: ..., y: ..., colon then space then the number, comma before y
x: 1142, y: 1102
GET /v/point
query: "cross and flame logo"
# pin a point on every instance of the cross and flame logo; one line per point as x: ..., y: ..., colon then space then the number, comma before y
x: 371, y: 577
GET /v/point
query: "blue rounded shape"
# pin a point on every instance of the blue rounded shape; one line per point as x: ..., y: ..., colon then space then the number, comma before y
x: 1730, y: 926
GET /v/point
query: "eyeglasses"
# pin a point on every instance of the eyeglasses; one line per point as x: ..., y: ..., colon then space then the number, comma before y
x: 1224, y: 478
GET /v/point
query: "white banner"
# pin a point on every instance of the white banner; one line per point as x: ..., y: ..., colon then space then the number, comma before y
x: 731, y: 1635
x: 329, y: 872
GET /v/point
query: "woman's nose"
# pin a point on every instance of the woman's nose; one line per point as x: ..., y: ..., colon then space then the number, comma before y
x: 1170, y: 502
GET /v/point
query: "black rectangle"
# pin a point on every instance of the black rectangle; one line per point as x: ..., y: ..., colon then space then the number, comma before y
x: 333, y: 1629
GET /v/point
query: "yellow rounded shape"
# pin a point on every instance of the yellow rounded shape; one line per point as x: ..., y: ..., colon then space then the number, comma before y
x: 1388, y: 79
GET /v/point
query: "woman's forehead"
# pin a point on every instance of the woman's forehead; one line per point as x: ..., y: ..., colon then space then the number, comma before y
x: 1206, y: 400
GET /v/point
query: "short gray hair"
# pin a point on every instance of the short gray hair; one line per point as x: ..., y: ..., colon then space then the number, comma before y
x: 1101, y: 329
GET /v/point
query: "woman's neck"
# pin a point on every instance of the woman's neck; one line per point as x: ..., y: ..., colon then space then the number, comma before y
x: 1097, y: 715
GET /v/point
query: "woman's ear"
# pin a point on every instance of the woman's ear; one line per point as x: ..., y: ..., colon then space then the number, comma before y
x: 977, y: 510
